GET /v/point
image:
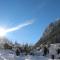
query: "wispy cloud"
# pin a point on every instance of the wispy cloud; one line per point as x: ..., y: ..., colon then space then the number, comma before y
x: 19, y: 26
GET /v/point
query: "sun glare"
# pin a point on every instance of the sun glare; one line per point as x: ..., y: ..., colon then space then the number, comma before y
x: 2, y: 32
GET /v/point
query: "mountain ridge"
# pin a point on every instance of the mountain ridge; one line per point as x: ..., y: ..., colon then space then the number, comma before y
x: 51, y: 34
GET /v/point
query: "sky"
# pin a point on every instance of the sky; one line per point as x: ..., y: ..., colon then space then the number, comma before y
x: 13, y: 13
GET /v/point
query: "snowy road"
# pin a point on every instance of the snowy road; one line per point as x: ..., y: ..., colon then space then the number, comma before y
x: 11, y: 57
x: 23, y: 58
x: 32, y: 58
x: 7, y: 55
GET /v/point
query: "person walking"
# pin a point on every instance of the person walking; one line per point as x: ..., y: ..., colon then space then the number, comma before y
x: 46, y: 51
x: 17, y: 52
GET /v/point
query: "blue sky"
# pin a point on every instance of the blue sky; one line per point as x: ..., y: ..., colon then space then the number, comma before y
x: 15, y: 12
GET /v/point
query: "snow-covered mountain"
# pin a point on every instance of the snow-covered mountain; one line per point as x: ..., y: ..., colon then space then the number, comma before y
x: 51, y: 34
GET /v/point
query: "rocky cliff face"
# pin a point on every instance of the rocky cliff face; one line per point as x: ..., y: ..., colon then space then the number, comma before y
x: 51, y: 34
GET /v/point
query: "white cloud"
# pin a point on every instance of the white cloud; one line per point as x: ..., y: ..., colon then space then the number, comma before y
x: 19, y: 26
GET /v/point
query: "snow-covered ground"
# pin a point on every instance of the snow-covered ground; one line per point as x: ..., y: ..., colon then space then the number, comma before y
x: 10, y: 55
